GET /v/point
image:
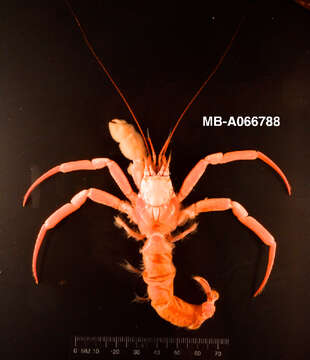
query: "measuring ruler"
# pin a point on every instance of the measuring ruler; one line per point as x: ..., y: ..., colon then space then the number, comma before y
x: 132, y: 347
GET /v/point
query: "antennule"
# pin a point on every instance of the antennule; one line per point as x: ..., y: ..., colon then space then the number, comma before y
x: 152, y: 148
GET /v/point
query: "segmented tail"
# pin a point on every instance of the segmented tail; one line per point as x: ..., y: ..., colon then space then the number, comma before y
x: 159, y: 273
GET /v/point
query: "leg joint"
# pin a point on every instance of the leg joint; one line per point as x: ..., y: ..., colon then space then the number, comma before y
x: 100, y: 163
x: 214, y: 159
x: 238, y: 210
x: 79, y: 198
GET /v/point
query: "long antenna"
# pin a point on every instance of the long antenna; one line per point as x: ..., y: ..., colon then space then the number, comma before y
x: 90, y: 47
x: 164, y: 148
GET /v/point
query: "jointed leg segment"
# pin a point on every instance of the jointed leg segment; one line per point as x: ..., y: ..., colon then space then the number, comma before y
x: 240, y: 212
x: 220, y: 158
x: 76, y: 202
x: 94, y: 164
x: 120, y: 223
x: 184, y: 233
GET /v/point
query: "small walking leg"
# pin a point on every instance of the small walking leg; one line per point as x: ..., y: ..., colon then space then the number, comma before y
x: 131, y: 233
x: 184, y: 233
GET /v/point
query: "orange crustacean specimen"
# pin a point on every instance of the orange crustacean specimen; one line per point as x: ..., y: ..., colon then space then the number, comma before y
x: 157, y: 210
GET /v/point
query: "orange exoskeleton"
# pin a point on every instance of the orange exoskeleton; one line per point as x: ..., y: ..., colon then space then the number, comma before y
x: 157, y: 210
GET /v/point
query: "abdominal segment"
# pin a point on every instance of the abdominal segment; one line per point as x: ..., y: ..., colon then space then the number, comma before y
x: 159, y: 273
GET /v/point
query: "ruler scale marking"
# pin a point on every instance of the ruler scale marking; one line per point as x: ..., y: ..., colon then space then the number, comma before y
x: 139, y: 347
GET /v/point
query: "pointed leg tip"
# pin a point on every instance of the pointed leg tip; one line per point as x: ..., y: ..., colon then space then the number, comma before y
x: 26, y: 197
x: 258, y: 292
x: 288, y: 187
x: 287, y: 184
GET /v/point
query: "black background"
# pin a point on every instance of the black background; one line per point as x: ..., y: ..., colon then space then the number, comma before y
x: 55, y: 105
